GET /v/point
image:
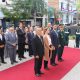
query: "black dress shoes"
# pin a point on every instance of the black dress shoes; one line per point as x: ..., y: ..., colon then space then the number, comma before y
x: 24, y: 57
x: 41, y: 72
x: 60, y: 60
x: 46, y: 68
x: 15, y: 61
x: 12, y: 63
x: 20, y: 59
x: 30, y: 55
x: 54, y: 64
x: 38, y: 75
x: 4, y: 62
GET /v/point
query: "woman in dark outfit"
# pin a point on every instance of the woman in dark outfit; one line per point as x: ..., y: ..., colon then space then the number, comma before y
x: 2, y: 45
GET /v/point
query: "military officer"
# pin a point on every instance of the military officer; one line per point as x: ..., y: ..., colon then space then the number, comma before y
x: 67, y: 32
x: 77, y: 37
x: 61, y: 35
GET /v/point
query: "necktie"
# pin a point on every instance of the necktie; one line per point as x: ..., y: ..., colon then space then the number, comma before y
x: 41, y: 39
x: 56, y: 33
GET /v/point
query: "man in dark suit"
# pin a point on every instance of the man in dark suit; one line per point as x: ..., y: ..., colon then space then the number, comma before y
x: 2, y: 45
x: 21, y: 41
x: 61, y: 35
x: 55, y: 43
x: 38, y: 50
x: 77, y: 37
x: 30, y: 35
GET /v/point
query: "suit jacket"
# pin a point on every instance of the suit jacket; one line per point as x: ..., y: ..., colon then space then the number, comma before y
x: 61, y: 38
x: 21, y: 36
x: 2, y: 42
x: 30, y: 37
x: 54, y: 38
x: 11, y: 39
x: 38, y: 46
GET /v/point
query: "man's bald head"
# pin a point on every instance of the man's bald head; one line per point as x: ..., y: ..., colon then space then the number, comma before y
x: 11, y: 29
x: 49, y: 25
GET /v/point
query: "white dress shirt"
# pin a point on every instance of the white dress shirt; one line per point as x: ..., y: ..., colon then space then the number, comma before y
x: 0, y: 36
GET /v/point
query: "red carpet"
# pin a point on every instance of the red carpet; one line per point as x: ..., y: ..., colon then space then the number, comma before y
x: 25, y: 71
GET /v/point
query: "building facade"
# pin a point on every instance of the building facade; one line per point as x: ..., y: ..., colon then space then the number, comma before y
x: 77, y: 16
x: 66, y: 8
x: 54, y: 4
x: 53, y: 7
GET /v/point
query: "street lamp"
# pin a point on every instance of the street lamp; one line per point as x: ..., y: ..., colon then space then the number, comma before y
x: 3, y: 0
x: 7, y: 2
x: 68, y: 5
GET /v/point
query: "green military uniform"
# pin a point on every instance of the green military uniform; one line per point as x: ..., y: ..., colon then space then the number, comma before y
x: 66, y: 37
x: 77, y: 37
x: 61, y: 35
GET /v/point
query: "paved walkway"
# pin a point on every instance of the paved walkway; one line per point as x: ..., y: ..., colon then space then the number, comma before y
x: 74, y: 74
x: 8, y: 65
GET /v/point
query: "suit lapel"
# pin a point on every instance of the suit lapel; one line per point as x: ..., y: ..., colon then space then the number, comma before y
x: 40, y: 39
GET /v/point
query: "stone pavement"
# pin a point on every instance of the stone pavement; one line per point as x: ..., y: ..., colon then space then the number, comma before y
x: 74, y: 74
x: 8, y: 65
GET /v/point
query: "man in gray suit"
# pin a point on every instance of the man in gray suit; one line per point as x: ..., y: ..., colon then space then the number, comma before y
x: 11, y: 42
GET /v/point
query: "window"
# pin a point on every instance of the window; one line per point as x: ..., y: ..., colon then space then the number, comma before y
x: 61, y: 6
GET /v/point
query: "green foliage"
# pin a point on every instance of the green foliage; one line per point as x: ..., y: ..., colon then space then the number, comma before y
x: 50, y: 11
x: 72, y: 37
x: 39, y: 7
x: 25, y: 9
x: 6, y: 12
x: 21, y: 9
x: 78, y: 5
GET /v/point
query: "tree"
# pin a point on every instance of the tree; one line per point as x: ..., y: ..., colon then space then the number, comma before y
x: 78, y: 5
x: 39, y: 7
x: 25, y: 9
x: 21, y: 8
x: 53, y: 12
x: 50, y: 12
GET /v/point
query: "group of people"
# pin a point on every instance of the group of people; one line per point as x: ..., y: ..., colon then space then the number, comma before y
x: 48, y: 43
x: 45, y: 43
x: 15, y: 41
